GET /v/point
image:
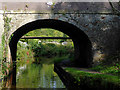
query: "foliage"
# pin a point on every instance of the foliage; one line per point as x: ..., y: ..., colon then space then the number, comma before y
x: 5, y: 38
x: 110, y: 65
x: 24, y: 55
x: 46, y: 32
x: 51, y: 50
x: 46, y: 48
x: 112, y: 69
x: 93, y: 80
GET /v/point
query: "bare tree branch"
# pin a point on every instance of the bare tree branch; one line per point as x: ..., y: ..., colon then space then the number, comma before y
x: 116, y: 11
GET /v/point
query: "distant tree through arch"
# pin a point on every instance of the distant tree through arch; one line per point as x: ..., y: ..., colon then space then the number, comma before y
x: 82, y: 44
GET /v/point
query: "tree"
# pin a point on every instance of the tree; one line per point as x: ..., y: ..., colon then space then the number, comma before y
x: 115, y: 10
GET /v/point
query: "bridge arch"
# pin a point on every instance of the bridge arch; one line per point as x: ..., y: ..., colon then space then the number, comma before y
x: 82, y: 44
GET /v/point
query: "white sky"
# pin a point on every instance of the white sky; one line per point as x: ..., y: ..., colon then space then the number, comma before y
x: 58, y: 0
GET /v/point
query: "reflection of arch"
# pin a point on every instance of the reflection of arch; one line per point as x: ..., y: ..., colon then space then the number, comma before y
x: 82, y: 44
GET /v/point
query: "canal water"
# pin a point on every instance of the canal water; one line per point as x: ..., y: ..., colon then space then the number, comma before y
x: 34, y: 76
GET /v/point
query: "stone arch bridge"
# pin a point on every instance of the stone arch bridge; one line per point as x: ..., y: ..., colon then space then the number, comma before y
x: 93, y: 27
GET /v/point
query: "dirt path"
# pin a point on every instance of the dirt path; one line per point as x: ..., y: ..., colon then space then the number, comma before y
x: 86, y: 70
x: 89, y: 71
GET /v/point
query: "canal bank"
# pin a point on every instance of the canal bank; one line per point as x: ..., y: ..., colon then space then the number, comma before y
x: 69, y: 81
x: 83, y: 79
x: 87, y: 79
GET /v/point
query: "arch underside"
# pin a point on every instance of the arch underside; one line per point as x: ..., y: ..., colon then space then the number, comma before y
x: 82, y: 44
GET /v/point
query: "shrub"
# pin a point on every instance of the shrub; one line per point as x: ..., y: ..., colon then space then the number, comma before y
x: 51, y: 50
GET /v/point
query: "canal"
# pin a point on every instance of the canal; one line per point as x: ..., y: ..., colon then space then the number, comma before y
x: 32, y: 75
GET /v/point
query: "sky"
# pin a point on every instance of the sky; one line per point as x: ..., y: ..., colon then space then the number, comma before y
x: 59, y: 0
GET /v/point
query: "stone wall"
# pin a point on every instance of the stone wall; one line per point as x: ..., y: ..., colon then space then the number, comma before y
x: 102, y: 30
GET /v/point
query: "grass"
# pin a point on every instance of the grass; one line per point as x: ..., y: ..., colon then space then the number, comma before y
x: 108, y: 69
x: 94, y: 80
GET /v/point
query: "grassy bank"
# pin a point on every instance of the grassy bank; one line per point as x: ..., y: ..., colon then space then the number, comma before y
x: 110, y: 65
x: 108, y: 69
x: 92, y: 80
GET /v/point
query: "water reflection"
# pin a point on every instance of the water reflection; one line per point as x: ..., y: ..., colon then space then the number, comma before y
x: 34, y: 76
x: 39, y: 76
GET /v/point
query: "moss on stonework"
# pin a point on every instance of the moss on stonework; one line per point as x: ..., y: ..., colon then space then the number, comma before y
x: 4, y: 46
